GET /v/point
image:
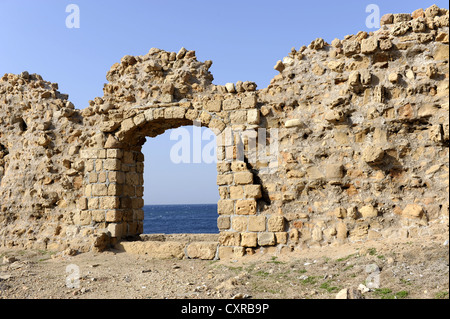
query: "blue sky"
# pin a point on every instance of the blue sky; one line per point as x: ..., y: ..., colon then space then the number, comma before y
x: 243, y: 38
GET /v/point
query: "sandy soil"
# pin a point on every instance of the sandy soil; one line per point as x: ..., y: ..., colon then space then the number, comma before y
x: 416, y: 269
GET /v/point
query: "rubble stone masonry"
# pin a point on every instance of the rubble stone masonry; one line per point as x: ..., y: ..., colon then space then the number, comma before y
x: 359, y: 127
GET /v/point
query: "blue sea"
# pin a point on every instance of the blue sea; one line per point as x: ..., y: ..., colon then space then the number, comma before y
x: 181, y: 219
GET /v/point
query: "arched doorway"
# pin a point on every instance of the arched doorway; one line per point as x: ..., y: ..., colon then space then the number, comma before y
x: 180, y: 175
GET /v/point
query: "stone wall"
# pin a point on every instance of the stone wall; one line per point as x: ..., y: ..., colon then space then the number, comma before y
x: 348, y: 143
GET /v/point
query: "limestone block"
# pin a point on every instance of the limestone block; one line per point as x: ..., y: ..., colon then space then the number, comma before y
x: 225, y: 179
x: 98, y: 216
x: 213, y: 106
x: 230, y: 87
x: 266, y: 239
x: 253, y: 116
x: 99, y: 190
x: 231, y: 104
x: 249, y: 240
x: 369, y: 45
x: 154, y: 250
x: 127, y: 125
x: 342, y: 231
x: 202, y: 250
x: 249, y: 102
x: 114, y: 216
x: 334, y: 171
x: 239, y: 223
x: 387, y: 19
x: 337, y: 66
x: 114, y: 153
x: 257, y: 223
x: 368, y: 211
x: 112, y: 165
x: 413, y: 211
x: 252, y: 191
x: 216, y: 125
x: 83, y: 218
x: 223, y: 222
x: 276, y: 223
x: 441, y: 52
x: 205, y: 118
x: 243, y: 178
x: 335, y: 116
x: 238, y: 166
x: 225, y: 207
x: 139, y: 119
x: 178, y: 112
x: 238, y: 117
x: 236, y: 192
x: 115, y: 230
x: 191, y: 114
x: 293, y: 123
x: 279, y: 66
x: 246, y: 207
x: 281, y: 237
x: 402, y: 17
x: 230, y: 239
x: 373, y: 154
x: 109, y: 202
x: 116, y: 177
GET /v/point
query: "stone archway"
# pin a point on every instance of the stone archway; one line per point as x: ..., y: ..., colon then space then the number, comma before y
x: 113, y: 198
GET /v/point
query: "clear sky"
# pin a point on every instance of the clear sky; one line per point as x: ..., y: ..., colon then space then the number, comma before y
x: 243, y: 38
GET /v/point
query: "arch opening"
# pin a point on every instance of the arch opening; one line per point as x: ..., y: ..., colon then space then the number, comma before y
x: 180, y: 192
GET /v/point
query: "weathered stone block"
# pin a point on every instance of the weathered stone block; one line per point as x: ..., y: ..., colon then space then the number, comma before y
x: 275, y: 223
x: 368, y: 211
x: 249, y: 240
x: 213, y: 106
x: 202, y: 250
x: 252, y: 191
x: 225, y: 207
x: 115, y: 230
x: 413, y: 211
x: 112, y: 165
x: 83, y: 218
x: 98, y: 216
x: 225, y: 179
x: 246, y: 207
x: 253, y: 116
x: 266, y: 239
x: 369, y: 45
x: 334, y: 171
x: 230, y: 239
x: 99, y: 190
x: 243, y: 178
x: 223, y: 223
x: 281, y: 237
x: 239, y: 223
x: 231, y: 104
x: 249, y: 102
x: 238, y: 166
x: 94, y: 203
x: 236, y: 192
x: 293, y: 123
x: 114, y: 216
x: 257, y: 223
x: 373, y: 154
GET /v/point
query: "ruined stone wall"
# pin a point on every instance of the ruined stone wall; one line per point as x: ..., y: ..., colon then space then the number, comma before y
x: 351, y: 144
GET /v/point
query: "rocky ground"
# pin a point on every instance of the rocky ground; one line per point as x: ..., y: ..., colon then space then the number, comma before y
x: 412, y: 269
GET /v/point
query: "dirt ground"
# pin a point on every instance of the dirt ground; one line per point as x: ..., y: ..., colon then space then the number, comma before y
x: 406, y: 269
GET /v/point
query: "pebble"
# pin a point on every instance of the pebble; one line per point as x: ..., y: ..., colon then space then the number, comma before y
x: 5, y: 277
x: 9, y: 260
